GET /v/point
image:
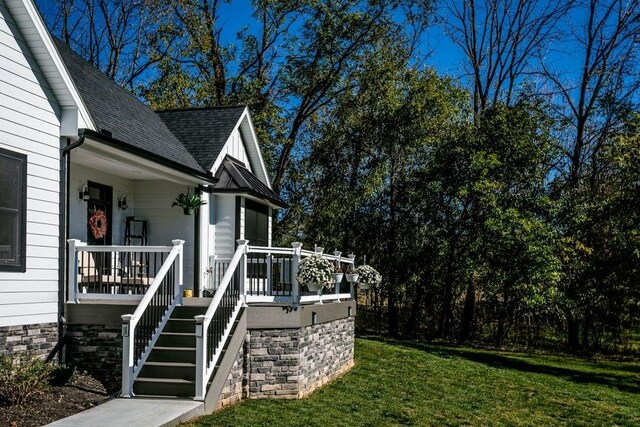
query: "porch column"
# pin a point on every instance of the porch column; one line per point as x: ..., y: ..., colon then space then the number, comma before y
x: 72, y: 270
x: 201, y: 356
x: 243, y: 266
x: 295, y: 262
x: 127, y: 355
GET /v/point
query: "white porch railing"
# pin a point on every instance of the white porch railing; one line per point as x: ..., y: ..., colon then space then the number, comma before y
x: 141, y: 329
x: 271, y: 275
x: 213, y: 328
x: 112, y: 272
x: 254, y: 274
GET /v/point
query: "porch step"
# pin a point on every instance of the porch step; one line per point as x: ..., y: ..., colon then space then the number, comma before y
x: 164, y: 386
x: 170, y: 369
x: 177, y: 339
x: 187, y: 312
x: 186, y: 371
x: 180, y: 325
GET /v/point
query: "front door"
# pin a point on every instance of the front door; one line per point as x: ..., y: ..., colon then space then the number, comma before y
x: 99, y: 225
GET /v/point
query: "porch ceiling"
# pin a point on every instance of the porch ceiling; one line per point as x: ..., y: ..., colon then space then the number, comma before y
x: 126, y: 165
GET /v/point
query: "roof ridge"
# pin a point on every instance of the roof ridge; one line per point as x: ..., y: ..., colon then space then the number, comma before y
x: 213, y: 107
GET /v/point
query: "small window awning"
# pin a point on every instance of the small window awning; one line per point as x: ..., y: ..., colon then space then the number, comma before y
x: 233, y: 177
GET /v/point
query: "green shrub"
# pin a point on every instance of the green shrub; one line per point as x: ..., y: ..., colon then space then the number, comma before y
x: 21, y: 378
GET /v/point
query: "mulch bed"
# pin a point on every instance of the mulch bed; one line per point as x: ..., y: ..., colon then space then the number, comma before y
x: 80, y: 393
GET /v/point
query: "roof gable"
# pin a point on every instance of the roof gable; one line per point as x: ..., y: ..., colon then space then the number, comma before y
x: 203, y: 131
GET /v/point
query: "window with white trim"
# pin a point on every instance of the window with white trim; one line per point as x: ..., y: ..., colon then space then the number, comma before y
x: 13, y: 210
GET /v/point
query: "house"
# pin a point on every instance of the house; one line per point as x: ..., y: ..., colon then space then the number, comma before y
x: 94, y: 260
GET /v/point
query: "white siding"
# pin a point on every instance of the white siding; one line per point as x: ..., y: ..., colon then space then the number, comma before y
x: 225, y: 225
x: 235, y: 148
x: 79, y: 175
x: 153, y: 204
x: 29, y: 124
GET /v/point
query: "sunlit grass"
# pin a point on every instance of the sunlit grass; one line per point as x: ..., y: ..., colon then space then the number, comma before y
x: 407, y: 383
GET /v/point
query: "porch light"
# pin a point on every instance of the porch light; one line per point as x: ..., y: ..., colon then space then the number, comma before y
x: 83, y: 193
x: 122, y: 202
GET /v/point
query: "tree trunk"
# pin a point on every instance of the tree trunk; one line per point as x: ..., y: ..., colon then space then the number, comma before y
x: 466, y: 323
x: 572, y: 333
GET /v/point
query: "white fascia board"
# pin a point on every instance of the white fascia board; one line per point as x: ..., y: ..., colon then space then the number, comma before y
x: 43, y: 39
x: 256, y: 144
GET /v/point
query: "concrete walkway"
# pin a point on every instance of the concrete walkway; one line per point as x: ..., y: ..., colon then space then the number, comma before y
x: 135, y: 413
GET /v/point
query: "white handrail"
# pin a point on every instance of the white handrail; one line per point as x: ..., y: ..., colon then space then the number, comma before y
x: 202, y: 325
x: 157, y: 281
x: 130, y: 367
x: 270, y: 250
x: 121, y: 248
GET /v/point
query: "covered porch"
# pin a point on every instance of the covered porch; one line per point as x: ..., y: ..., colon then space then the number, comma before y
x: 122, y: 253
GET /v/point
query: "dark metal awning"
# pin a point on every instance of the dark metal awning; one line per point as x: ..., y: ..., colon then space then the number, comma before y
x: 233, y: 177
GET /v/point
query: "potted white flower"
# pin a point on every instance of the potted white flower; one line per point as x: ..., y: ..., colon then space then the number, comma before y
x: 315, y: 272
x: 367, y: 277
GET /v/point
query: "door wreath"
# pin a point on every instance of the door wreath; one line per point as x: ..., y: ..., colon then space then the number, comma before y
x: 98, y: 224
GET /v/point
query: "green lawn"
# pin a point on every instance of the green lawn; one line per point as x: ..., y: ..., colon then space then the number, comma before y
x: 407, y: 383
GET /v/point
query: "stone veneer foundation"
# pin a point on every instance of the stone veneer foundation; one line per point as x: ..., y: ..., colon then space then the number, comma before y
x: 284, y: 356
x: 96, y: 349
x: 292, y: 363
x: 38, y: 339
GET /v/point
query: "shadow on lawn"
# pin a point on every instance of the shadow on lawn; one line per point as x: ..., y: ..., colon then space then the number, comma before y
x: 625, y: 383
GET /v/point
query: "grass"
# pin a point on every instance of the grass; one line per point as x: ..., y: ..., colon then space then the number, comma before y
x: 408, y: 383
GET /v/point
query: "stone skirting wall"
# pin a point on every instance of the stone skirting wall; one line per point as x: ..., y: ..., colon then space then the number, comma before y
x: 291, y: 363
x: 96, y: 349
x: 274, y: 363
x: 233, y: 387
x: 326, y: 352
x: 38, y: 339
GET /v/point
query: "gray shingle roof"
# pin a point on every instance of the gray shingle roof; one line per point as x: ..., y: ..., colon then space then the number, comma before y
x: 115, y: 110
x: 233, y: 177
x: 203, y: 131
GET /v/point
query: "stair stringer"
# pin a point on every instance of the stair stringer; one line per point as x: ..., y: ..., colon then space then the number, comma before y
x: 225, y: 364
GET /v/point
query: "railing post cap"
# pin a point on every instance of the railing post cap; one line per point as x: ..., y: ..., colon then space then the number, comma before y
x: 337, y: 253
x: 177, y: 242
x: 296, y: 245
x: 73, y: 240
x: 200, y: 318
x: 352, y: 255
x: 127, y: 317
x: 242, y: 242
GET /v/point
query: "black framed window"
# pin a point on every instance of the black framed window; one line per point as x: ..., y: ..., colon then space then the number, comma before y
x: 256, y: 223
x: 13, y: 211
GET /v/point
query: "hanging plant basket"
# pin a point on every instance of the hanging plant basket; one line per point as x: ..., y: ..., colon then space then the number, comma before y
x: 314, y: 286
x: 188, y: 202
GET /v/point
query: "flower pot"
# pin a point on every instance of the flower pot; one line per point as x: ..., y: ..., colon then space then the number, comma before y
x: 352, y: 277
x: 363, y: 287
x: 337, y: 277
x: 313, y: 286
x: 187, y: 211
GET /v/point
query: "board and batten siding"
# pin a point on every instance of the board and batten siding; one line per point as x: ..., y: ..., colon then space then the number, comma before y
x: 164, y: 223
x: 79, y: 175
x: 30, y: 124
x: 224, y: 225
x: 235, y: 148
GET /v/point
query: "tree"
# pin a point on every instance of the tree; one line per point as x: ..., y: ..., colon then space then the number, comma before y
x: 594, y: 103
x: 499, y: 39
x: 110, y: 34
